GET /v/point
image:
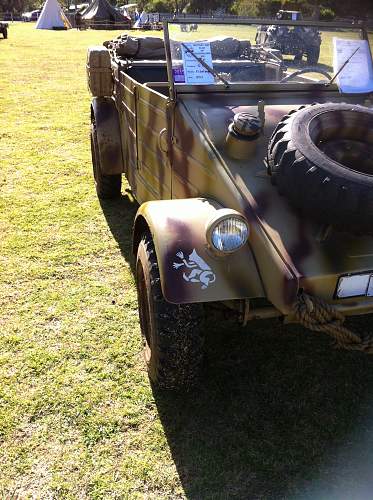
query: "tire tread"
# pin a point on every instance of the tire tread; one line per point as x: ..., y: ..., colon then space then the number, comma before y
x: 346, y: 205
x: 179, y: 336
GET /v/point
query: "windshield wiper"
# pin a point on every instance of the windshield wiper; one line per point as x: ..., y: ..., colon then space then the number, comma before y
x: 205, y: 65
x: 342, y: 67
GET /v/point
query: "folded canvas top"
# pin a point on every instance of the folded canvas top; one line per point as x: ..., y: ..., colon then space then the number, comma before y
x: 147, y: 47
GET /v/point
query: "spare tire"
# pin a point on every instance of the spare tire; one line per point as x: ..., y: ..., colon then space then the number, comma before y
x: 321, y: 158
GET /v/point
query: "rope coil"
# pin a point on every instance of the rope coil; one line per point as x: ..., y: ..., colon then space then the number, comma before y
x: 317, y: 315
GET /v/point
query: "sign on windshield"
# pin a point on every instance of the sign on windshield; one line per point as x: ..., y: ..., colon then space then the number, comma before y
x: 277, y: 53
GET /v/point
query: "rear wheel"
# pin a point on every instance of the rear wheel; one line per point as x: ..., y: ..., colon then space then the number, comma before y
x: 313, y: 54
x: 5, y: 33
x: 298, y: 58
x: 172, y: 333
x: 107, y: 186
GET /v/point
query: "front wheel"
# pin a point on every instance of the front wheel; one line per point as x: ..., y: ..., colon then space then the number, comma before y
x: 5, y: 33
x: 172, y: 333
x: 107, y: 186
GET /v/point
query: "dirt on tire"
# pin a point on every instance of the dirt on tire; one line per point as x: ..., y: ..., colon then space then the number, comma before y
x: 107, y: 186
x: 172, y: 333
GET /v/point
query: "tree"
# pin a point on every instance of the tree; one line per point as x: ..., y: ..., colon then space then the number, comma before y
x: 326, y: 8
x: 18, y: 6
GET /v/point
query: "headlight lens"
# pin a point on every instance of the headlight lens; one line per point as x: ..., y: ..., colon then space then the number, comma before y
x: 229, y: 233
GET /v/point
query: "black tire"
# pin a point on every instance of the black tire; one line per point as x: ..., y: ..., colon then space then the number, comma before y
x: 313, y: 54
x: 172, y: 334
x: 298, y: 57
x: 5, y: 33
x: 321, y: 158
x: 107, y: 186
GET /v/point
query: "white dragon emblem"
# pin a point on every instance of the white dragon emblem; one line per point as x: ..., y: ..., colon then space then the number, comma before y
x: 200, y: 271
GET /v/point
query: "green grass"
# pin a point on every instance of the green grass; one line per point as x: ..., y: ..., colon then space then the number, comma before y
x: 279, y: 414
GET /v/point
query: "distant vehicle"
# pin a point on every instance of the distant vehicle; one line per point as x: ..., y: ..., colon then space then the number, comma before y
x: 31, y: 16
x: 4, y: 29
x: 291, y: 40
x: 289, y: 15
x: 189, y: 27
x: 77, y: 8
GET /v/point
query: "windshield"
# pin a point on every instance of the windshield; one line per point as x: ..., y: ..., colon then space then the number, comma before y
x: 225, y: 54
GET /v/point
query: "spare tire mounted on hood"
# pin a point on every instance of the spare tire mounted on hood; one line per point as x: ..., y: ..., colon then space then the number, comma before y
x: 321, y: 158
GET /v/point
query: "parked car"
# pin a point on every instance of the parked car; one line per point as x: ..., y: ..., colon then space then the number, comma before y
x: 254, y: 182
x: 291, y: 40
x: 4, y: 29
x: 31, y: 16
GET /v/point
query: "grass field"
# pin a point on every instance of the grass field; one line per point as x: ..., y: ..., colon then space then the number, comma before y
x: 279, y: 414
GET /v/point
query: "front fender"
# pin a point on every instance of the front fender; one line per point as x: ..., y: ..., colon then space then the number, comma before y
x: 189, y: 270
x: 105, y: 113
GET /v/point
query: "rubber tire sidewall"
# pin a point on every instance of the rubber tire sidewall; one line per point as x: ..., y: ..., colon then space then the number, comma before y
x: 151, y: 342
x: 302, y: 141
x: 174, y: 344
x: 313, y: 54
x: 107, y: 186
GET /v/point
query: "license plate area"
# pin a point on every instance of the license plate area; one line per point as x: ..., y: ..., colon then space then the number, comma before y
x: 355, y: 285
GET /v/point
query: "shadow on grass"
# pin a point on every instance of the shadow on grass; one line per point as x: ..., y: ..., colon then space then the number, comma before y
x: 303, y: 64
x: 120, y: 216
x: 279, y: 413
x: 278, y: 410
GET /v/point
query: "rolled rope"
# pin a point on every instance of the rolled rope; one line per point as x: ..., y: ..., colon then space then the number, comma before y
x: 317, y: 315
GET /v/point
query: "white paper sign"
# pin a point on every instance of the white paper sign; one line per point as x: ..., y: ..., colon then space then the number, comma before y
x: 195, y: 73
x: 357, y: 75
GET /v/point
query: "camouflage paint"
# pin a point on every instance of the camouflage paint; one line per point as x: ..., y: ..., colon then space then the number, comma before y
x: 284, y: 252
x: 180, y: 226
x: 289, y: 236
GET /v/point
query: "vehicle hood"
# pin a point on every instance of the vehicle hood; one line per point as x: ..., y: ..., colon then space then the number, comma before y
x: 316, y: 255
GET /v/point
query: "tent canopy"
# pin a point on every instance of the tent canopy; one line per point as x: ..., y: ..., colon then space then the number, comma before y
x: 52, y: 16
x: 101, y: 11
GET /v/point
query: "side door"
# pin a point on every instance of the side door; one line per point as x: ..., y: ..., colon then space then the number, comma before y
x: 153, y: 121
x: 125, y: 96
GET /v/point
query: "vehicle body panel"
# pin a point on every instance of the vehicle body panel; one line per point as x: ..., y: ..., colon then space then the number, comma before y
x: 315, y: 262
x: 174, y: 150
x: 190, y: 271
x: 144, y: 116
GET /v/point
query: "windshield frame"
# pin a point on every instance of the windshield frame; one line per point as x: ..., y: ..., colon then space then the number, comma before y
x: 248, y: 86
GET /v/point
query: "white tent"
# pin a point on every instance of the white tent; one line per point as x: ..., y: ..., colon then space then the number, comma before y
x: 52, y: 17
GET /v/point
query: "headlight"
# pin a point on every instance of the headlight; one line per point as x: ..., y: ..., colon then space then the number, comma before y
x: 227, y: 231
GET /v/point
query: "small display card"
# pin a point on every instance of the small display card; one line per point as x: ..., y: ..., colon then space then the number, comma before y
x: 357, y: 75
x: 194, y: 72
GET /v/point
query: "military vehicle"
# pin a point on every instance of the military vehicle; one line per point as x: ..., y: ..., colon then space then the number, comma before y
x: 297, y: 40
x: 4, y: 29
x: 254, y: 181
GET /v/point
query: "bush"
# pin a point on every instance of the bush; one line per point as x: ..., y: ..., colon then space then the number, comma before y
x: 159, y: 6
x: 327, y: 14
